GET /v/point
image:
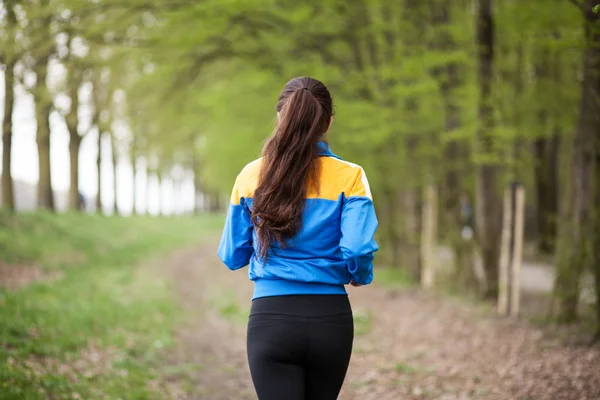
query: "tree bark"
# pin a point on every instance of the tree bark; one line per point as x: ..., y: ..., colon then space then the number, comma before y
x: 451, y: 77
x: 8, y: 196
x: 410, y: 256
x: 72, y: 121
x: 198, y: 208
x: 160, y: 192
x: 577, y: 229
x: 45, y: 196
x: 74, y: 146
x: 546, y: 161
x: 488, y: 207
x: 596, y: 246
x: 43, y: 101
x: 115, y: 160
x: 546, y: 181
x: 97, y: 97
x: 99, y: 176
x: 133, y: 161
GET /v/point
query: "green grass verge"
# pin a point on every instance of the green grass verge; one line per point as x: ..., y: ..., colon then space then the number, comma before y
x: 98, y: 330
x: 392, y: 278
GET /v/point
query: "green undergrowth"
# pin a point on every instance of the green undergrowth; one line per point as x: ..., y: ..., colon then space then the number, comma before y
x: 392, y: 278
x: 98, y: 328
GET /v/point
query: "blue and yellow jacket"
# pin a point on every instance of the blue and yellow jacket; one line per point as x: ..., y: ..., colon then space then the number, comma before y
x: 334, y: 246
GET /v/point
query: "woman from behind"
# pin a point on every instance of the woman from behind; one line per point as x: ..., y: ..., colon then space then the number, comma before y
x: 304, y: 221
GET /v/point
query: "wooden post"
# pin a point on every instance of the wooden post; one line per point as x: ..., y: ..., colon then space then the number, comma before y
x: 517, y: 255
x: 505, y: 254
x: 428, y: 237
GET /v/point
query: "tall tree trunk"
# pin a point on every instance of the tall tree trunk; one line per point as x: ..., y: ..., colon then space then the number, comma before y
x: 577, y: 229
x: 411, y: 215
x: 133, y: 161
x: 451, y: 77
x: 159, y: 197
x: 8, y: 196
x: 596, y: 245
x: 488, y: 206
x: 546, y: 160
x: 97, y: 98
x: 74, y: 146
x: 45, y: 194
x: 99, y: 169
x: 115, y: 160
x: 72, y: 121
x: 198, y: 208
x: 546, y: 173
x: 45, y: 197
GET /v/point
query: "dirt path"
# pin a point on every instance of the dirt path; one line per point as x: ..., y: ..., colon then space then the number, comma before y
x: 413, y: 345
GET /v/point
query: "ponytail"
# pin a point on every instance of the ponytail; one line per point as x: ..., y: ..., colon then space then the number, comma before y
x: 289, y: 162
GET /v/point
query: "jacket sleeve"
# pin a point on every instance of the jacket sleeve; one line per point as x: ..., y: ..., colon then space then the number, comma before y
x: 235, y: 249
x: 359, y: 224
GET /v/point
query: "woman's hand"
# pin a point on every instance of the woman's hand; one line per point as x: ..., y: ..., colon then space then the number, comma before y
x: 355, y: 284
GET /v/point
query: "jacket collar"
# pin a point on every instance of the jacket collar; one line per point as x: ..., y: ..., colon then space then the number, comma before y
x: 324, y: 150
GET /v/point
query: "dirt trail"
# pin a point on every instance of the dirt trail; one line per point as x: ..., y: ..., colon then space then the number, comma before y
x: 414, y: 345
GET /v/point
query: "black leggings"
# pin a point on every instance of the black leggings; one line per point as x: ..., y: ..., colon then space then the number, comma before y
x: 299, y: 346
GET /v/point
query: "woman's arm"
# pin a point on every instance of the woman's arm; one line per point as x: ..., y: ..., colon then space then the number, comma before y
x: 235, y: 249
x: 359, y: 224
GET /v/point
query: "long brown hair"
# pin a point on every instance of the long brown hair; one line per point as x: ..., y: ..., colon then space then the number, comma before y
x: 290, y: 162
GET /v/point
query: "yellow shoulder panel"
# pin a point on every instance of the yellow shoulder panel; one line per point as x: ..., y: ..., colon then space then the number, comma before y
x: 246, y: 182
x: 336, y: 177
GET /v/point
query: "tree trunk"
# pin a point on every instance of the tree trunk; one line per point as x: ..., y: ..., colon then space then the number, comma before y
x: 596, y: 246
x: 546, y: 180
x: 8, y: 196
x: 72, y: 121
x: 99, y: 177
x: 429, y: 246
x: 411, y: 243
x: 45, y: 197
x: 159, y: 196
x: 451, y: 77
x: 133, y: 161
x: 115, y: 160
x: 198, y: 208
x: 488, y: 207
x: 576, y: 230
x: 546, y: 161
x: 74, y: 146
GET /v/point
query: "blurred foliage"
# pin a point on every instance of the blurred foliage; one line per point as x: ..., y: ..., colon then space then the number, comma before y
x: 194, y: 84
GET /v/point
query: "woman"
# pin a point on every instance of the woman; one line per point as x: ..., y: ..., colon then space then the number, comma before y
x: 304, y: 221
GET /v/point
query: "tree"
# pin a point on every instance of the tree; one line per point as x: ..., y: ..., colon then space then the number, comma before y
x: 74, y: 82
x: 9, y: 58
x: 42, y: 49
x: 578, y: 224
x: 488, y: 204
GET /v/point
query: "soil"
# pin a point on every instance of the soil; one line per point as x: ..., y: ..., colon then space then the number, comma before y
x: 15, y: 276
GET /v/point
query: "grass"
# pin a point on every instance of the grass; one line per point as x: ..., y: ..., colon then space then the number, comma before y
x: 98, y: 330
x: 362, y: 322
x: 393, y: 278
x: 403, y: 368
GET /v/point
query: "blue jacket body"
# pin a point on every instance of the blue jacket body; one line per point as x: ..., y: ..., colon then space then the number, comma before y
x: 335, y: 245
